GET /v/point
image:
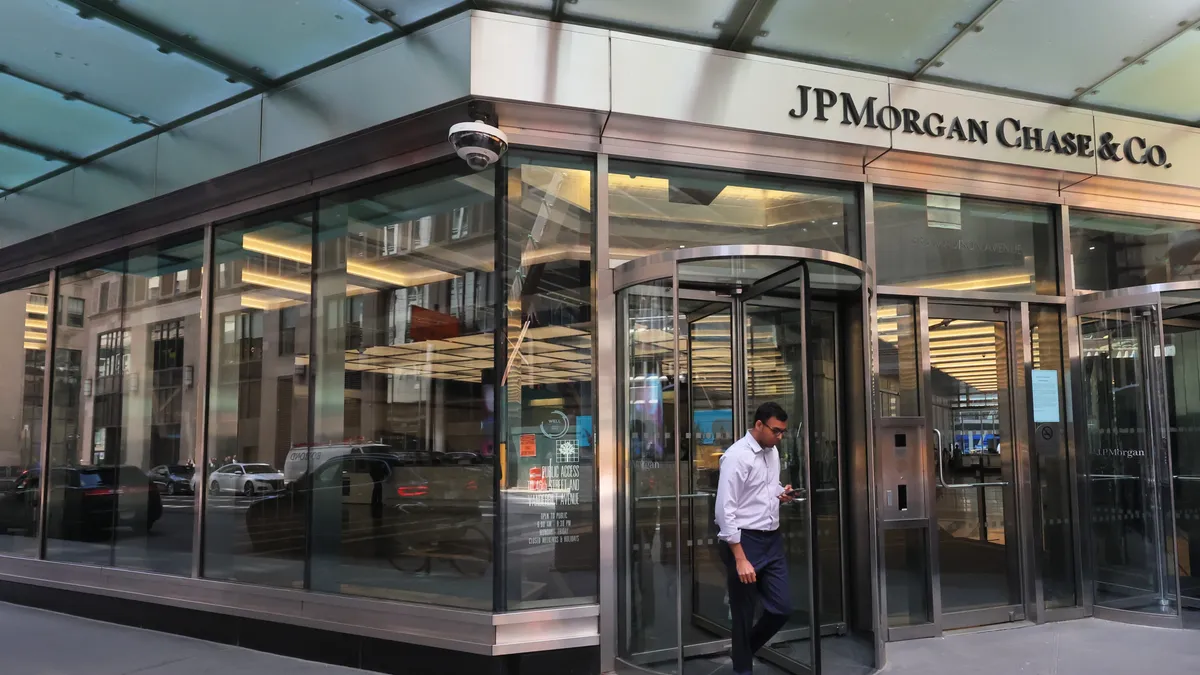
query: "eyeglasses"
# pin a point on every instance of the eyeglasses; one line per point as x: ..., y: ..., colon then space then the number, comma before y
x: 777, y: 431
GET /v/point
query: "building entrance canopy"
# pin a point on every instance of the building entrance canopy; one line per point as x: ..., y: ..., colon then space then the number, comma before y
x: 84, y: 78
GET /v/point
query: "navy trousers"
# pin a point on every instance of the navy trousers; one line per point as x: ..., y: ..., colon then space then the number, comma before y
x: 764, y: 550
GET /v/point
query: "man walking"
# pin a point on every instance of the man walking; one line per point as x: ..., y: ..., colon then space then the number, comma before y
x: 747, y: 513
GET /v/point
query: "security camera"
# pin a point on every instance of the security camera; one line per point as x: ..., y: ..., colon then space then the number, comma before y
x: 478, y: 143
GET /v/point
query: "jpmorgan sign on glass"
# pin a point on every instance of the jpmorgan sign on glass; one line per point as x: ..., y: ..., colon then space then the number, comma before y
x: 1008, y: 132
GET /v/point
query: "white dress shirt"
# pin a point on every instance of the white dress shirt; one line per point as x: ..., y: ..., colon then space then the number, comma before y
x: 748, y: 490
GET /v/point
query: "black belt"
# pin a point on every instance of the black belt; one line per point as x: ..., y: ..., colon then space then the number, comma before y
x: 760, y: 531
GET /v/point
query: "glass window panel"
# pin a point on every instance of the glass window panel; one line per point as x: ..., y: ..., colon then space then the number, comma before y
x: 1057, y: 548
x: 405, y: 296
x: 1115, y: 251
x: 158, y: 412
x: 91, y: 365
x: 908, y: 595
x: 656, y: 208
x: 278, y: 39
x: 958, y: 243
x: 258, y: 412
x: 549, y: 493
x: 898, y: 370
x: 123, y: 427
x: 23, y: 340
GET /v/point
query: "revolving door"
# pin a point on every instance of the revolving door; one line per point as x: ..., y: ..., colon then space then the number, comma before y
x: 705, y: 336
x: 1141, y: 393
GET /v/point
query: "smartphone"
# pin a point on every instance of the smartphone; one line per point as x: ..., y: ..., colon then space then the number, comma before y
x: 794, y: 492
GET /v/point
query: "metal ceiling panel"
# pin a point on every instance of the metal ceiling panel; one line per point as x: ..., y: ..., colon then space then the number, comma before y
x: 692, y: 18
x: 48, y: 40
x: 877, y: 33
x: 18, y: 166
x: 277, y: 37
x: 1054, y: 47
x: 1167, y: 85
x: 43, y: 117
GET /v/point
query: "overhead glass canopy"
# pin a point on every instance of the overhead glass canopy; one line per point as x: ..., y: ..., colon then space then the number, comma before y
x: 79, y: 78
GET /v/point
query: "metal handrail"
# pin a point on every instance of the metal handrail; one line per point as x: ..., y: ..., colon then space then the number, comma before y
x: 942, y: 471
x: 659, y: 498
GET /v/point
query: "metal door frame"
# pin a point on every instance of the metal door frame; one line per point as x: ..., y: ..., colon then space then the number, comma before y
x: 666, y: 265
x: 1155, y: 408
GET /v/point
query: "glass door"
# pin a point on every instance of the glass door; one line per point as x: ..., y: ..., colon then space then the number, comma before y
x: 776, y: 370
x: 970, y: 417
x: 708, y: 401
x: 700, y: 350
x: 1181, y: 358
x: 1128, y: 467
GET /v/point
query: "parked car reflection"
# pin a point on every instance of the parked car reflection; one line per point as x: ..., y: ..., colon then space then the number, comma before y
x: 85, y: 501
x: 381, y: 508
x: 19, y: 501
x: 245, y: 479
x: 173, y: 479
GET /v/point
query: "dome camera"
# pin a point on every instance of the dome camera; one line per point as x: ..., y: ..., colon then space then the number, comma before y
x: 478, y: 143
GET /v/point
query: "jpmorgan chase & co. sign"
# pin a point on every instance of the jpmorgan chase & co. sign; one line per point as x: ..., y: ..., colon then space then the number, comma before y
x: 828, y: 106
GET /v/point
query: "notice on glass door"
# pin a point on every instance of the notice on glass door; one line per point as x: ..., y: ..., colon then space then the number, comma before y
x: 1045, y: 397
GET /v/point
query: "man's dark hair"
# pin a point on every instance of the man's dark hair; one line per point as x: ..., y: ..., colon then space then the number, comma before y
x: 768, y: 410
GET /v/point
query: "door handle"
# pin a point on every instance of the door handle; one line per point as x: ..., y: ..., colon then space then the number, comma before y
x: 1189, y: 478
x: 661, y: 498
x: 942, y: 471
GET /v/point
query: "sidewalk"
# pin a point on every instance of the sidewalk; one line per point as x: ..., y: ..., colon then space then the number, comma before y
x: 1082, y: 647
x: 37, y: 642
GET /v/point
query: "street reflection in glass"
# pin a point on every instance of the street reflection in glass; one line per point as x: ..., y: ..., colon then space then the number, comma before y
x: 258, y: 400
x: 24, y: 326
x: 123, y: 431
x: 399, y: 477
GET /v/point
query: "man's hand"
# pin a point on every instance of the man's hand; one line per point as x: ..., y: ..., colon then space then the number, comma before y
x: 785, y: 496
x: 745, y: 571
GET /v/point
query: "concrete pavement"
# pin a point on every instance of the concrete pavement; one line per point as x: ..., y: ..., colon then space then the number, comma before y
x: 1081, y: 647
x: 37, y: 642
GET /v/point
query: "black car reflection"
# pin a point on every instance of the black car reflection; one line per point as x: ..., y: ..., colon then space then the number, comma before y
x: 18, y: 503
x: 173, y: 479
x: 380, y: 506
x: 85, y: 501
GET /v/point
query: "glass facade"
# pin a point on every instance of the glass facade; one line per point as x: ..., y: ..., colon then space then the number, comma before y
x: 397, y: 381
x: 396, y: 396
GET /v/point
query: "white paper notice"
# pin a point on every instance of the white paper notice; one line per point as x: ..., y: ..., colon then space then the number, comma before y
x: 1045, y: 396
